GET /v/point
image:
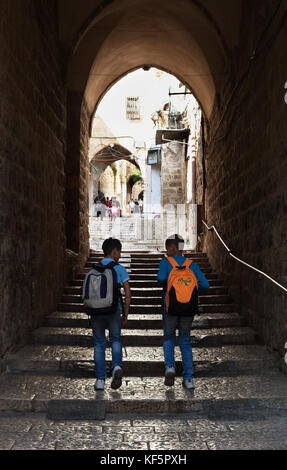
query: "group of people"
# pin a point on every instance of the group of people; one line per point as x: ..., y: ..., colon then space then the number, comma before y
x: 105, y: 205
x: 111, y: 206
x: 135, y: 206
x: 181, y: 280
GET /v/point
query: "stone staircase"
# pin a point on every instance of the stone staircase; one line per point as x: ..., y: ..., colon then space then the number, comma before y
x: 233, y: 374
x: 125, y: 227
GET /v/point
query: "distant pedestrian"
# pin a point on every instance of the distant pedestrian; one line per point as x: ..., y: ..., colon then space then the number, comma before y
x: 109, y: 205
x: 141, y: 205
x: 137, y: 207
x: 115, y: 209
x: 100, y: 202
x: 132, y: 206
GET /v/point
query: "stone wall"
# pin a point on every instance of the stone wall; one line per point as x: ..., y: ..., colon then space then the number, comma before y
x: 84, y: 245
x: 173, y: 183
x: 247, y: 173
x: 173, y: 173
x: 77, y: 181
x: 32, y: 160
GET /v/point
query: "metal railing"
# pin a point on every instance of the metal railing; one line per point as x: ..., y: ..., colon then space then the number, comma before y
x: 212, y: 227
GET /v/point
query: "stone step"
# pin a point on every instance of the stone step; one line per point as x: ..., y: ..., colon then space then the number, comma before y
x: 150, y: 254
x: 152, y: 300
x: 149, y: 265
x: 152, y: 309
x: 80, y: 320
x: 144, y: 261
x: 67, y: 398
x: 213, y: 337
x: 146, y: 284
x: 232, y: 360
x: 234, y: 376
x: 158, y: 255
x: 151, y: 291
x: 146, y: 276
x: 148, y: 273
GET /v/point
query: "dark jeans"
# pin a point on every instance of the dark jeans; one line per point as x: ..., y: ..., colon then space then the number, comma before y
x: 101, y: 323
x: 183, y: 324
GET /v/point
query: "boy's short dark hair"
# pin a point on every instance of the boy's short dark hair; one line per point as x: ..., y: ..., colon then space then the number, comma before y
x: 176, y: 240
x: 109, y: 244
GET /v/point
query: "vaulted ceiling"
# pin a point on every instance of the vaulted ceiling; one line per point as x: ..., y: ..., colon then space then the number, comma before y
x: 191, y: 39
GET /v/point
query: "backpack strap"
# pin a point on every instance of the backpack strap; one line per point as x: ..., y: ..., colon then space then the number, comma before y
x: 172, y: 261
x: 187, y: 263
x: 110, y: 265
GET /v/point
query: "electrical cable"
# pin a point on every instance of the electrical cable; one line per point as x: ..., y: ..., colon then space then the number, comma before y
x: 111, y: 160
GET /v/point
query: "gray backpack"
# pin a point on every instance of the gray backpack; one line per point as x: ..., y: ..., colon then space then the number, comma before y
x: 101, y: 291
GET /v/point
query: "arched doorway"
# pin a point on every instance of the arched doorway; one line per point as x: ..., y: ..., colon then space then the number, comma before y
x: 110, y: 170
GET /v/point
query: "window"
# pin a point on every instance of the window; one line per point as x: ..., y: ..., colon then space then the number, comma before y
x: 133, y: 108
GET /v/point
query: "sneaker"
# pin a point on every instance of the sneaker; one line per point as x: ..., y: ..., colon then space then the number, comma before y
x: 169, y: 376
x: 100, y: 384
x: 117, y: 377
x: 188, y: 384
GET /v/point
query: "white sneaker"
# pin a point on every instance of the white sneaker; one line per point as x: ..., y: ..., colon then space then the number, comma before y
x: 169, y: 376
x: 117, y: 377
x: 100, y: 384
x: 188, y: 384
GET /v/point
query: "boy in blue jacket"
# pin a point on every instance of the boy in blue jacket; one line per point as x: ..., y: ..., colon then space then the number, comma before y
x: 112, y: 252
x: 174, y: 246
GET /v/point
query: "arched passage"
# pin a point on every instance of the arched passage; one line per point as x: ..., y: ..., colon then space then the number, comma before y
x: 202, y: 43
x: 230, y: 54
x: 131, y: 35
x: 128, y: 35
x: 100, y: 161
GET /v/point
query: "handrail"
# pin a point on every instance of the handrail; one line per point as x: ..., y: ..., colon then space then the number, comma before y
x: 238, y: 259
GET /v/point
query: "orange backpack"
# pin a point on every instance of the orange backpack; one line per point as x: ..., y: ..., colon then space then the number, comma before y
x: 182, y: 290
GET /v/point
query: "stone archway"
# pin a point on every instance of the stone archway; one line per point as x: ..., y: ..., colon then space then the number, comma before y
x: 105, y: 158
x: 129, y: 35
x: 113, y: 38
x: 206, y: 51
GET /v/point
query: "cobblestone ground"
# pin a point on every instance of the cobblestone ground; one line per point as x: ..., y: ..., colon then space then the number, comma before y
x: 35, y: 431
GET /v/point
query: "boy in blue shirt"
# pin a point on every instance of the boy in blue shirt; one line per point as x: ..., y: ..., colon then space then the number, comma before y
x: 112, y: 252
x: 174, y: 246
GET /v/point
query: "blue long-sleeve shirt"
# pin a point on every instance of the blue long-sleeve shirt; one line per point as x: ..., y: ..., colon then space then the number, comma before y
x: 165, y: 269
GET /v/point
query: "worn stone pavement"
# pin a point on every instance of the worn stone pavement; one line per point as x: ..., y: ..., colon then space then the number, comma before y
x: 168, y: 432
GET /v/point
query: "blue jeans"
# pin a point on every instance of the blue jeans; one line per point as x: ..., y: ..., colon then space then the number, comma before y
x: 184, y: 324
x: 99, y: 324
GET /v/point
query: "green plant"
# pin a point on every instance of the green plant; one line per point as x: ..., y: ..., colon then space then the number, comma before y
x: 135, y: 177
